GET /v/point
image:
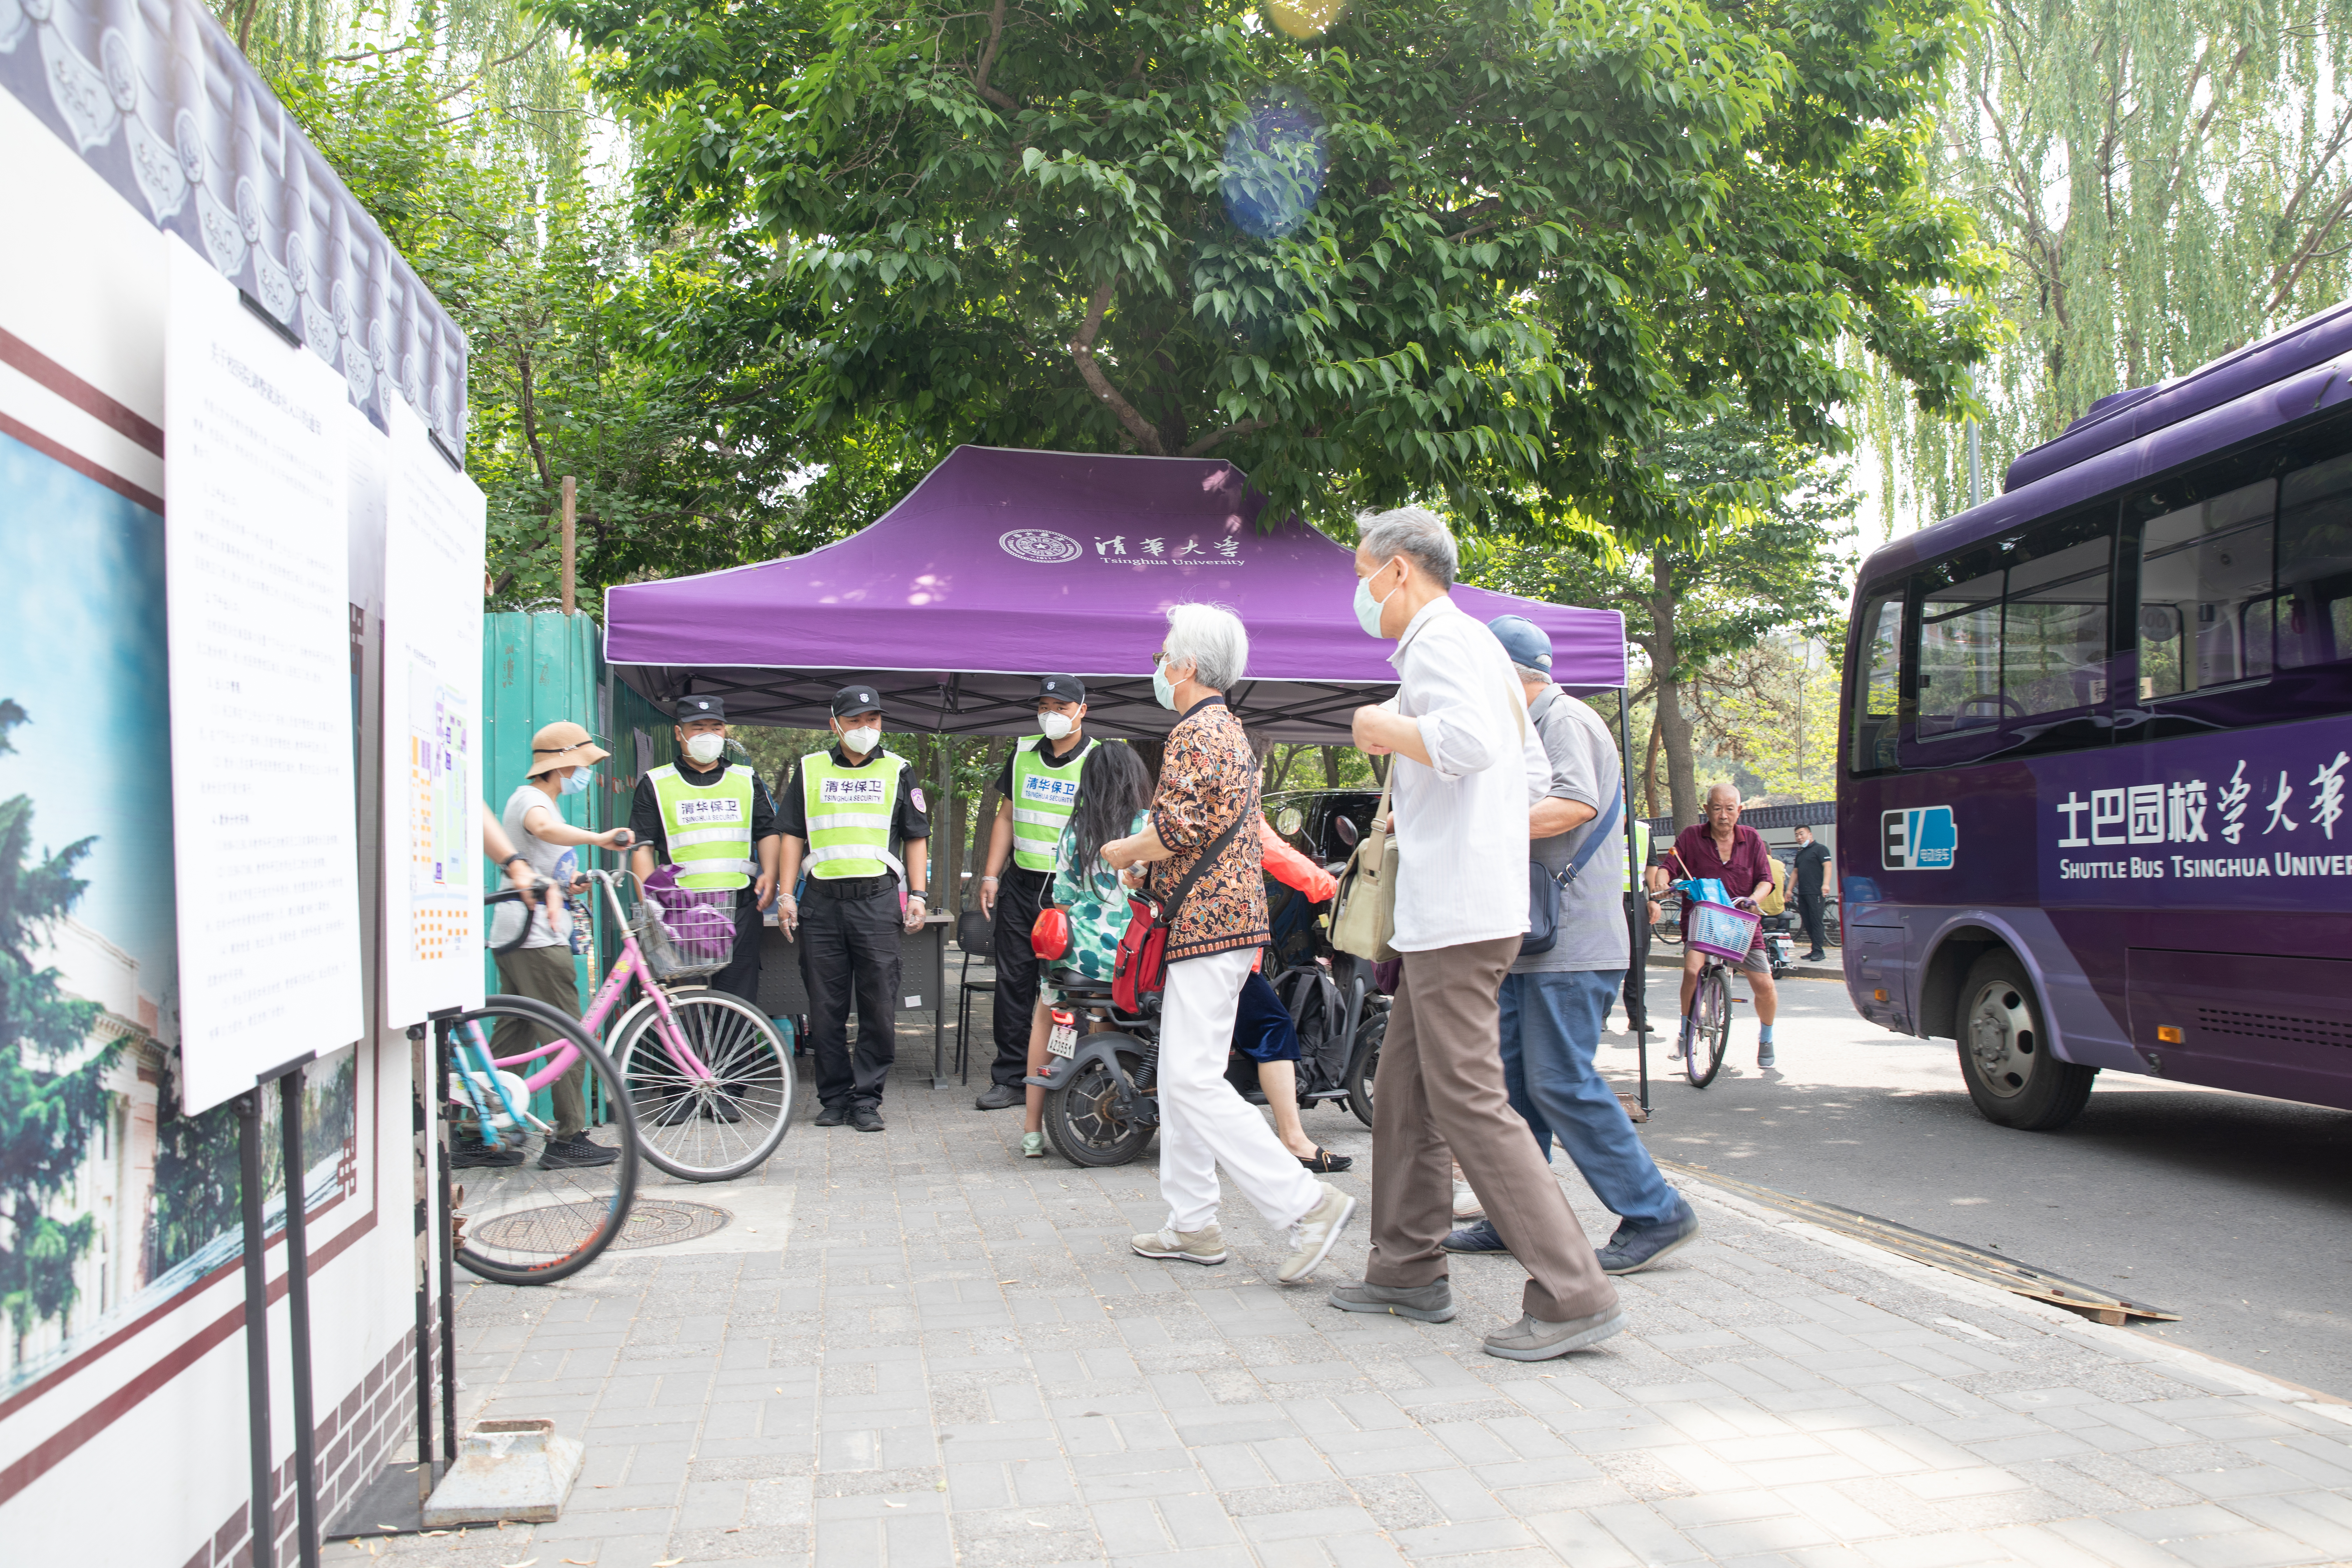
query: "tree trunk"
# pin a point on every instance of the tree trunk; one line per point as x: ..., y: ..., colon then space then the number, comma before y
x: 1673, y: 724
x: 1331, y: 767
x: 1650, y: 770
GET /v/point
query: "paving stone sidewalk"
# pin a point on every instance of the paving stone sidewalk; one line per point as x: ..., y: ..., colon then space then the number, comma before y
x: 934, y: 1353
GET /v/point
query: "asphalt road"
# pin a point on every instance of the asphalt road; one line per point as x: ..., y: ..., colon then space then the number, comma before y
x: 2234, y: 1211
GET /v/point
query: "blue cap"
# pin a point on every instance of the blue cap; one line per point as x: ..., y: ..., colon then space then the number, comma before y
x: 1529, y: 644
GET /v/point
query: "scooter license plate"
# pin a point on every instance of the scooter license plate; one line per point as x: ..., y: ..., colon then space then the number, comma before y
x: 1064, y: 1040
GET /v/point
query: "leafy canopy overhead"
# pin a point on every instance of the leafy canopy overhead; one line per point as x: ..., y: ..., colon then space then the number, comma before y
x: 1476, y: 249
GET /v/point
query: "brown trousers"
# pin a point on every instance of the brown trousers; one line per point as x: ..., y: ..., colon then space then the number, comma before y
x: 544, y: 975
x: 1440, y: 1086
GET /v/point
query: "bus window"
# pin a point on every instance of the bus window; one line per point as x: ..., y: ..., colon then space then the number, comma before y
x: 2311, y: 614
x: 2054, y: 647
x: 2202, y: 567
x: 1959, y: 656
x: 1878, y: 670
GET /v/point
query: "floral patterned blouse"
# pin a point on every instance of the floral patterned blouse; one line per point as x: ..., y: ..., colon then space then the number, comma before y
x: 1208, y: 779
x: 1095, y: 903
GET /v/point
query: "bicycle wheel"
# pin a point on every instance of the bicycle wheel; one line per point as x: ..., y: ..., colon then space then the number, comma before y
x: 699, y: 1128
x: 529, y: 1217
x: 1364, y: 1065
x: 1711, y: 1012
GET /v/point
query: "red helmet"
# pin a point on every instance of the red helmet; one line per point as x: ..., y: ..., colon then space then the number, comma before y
x: 1049, y: 938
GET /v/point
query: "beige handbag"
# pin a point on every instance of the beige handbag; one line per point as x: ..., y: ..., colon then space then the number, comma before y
x: 1363, y: 914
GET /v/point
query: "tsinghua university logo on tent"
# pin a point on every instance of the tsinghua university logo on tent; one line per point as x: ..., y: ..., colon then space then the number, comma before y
x: 1042, y: 545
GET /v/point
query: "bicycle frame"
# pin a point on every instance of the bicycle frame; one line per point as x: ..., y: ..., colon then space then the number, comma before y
x: 628, y: 967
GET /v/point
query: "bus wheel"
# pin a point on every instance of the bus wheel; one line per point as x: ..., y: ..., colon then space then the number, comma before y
x: 2010, y: 1072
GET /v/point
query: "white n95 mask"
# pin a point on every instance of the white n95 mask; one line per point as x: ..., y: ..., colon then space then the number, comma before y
x: 704, y: 748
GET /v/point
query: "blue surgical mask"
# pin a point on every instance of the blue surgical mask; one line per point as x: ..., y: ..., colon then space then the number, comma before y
x: 578, y: 782
x: 1162, y: 691
x: 1368, y: 609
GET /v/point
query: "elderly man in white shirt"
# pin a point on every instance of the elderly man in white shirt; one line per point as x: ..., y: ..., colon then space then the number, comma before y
x: 1467, y: 764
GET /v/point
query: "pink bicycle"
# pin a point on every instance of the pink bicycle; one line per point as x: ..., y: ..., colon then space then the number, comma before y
x: 707, y: 1077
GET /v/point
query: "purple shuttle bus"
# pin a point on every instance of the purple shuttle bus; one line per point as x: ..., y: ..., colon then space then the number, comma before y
x: 2095, y: 777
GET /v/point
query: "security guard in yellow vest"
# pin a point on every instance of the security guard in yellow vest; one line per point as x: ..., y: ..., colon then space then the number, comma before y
x: 854, y: 815
x: 1038, y: 790
x: 715, y: 821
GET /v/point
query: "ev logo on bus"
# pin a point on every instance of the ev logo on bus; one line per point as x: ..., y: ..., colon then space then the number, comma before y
x: 1922, y: 838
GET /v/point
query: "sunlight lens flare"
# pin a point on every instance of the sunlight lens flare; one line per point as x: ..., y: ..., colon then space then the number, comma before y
x: 1276, y: 161
x: 1304, y: 18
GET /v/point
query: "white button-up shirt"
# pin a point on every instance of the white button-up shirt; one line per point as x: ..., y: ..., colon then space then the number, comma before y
x: 1461, y: 820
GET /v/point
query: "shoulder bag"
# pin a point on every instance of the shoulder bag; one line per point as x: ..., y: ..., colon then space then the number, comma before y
x: 1140, y: 970
x: 1544, y: 889
x: 1363, y: 912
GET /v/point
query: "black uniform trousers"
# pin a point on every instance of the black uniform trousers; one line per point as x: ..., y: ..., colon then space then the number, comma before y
x: 849, y: 946
x: 1019, y: 896
x: 741, y: 976
x: 1812, y: 907
x: 1637, y: 972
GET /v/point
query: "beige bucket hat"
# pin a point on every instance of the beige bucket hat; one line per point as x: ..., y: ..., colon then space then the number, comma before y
x: 564, y: 744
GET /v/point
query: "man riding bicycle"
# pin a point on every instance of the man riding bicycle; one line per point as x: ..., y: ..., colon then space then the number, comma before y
x: 1718, y: 848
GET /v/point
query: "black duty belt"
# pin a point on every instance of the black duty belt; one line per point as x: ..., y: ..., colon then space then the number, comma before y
x: 851, y: 886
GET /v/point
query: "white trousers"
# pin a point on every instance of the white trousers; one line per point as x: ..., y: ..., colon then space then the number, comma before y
x: 1203, y: 1123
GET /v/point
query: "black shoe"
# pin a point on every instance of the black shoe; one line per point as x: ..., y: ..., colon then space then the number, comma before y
x: 831, y: 1116
x: 468, y: 1152
x: 575, y: 1155
x: 865, y: 1119
x: 1816, y: 958
x: 721, y: 1107
x: 1001, y: 1097
x: 676, y: 1111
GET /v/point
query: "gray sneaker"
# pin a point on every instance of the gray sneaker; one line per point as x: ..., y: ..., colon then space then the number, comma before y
x: 1636, y: 1247
x: 1532, y: 1339
x: 1206, y: 1244
x: 1317, y: 1231
x: 1429, y: 1303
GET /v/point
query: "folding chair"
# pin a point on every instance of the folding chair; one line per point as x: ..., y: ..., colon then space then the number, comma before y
x: 976, y: 935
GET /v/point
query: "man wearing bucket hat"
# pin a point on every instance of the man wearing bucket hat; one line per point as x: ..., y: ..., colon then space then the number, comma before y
x: 563, y: 758
x: 714, y: 821
x: 1553, y: 1002
x: 852, y: 811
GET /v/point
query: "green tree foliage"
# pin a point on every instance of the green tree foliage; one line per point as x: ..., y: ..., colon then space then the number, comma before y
x: 2166, y: 179
x: 1694, y: 606
x: 1483, y: 249
x: 52, y: 1093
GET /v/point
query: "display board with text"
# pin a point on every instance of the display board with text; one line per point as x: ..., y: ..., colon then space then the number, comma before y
x: 265, y: 836
x: 434, y: 545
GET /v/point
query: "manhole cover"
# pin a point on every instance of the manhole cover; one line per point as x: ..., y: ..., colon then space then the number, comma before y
x: 558, y: 1228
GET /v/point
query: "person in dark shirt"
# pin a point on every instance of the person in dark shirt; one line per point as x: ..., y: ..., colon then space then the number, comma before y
x: 1810, y: 865
x: 855, y: 815
x: 729, y: 813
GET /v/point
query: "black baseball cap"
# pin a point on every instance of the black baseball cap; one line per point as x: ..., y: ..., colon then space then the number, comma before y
x: 699, y: 707
x: 855, y: 699
x: 1061, y: 688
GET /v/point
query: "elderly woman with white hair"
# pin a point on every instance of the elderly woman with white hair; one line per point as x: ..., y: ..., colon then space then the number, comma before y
x: 1201, y: 849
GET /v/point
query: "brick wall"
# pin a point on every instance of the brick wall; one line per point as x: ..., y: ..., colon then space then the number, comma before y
x: 375, y: 1425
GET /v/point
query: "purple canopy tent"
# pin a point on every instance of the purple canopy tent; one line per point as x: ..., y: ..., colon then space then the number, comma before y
x: 1002, y: 565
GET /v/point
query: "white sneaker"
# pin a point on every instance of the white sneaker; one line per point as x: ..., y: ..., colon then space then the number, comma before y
x: 1682, y: 1042
x: 1206, y: 1244
x: 1466, y: 1206
x: 1317, y: 1231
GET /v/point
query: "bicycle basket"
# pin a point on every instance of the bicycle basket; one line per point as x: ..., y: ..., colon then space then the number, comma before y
x: 1720, y: 929
x: 686, y: 934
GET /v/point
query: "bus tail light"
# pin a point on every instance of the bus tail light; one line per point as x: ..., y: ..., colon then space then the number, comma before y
x: 1878, y: 995
x: 2168, y: 1034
